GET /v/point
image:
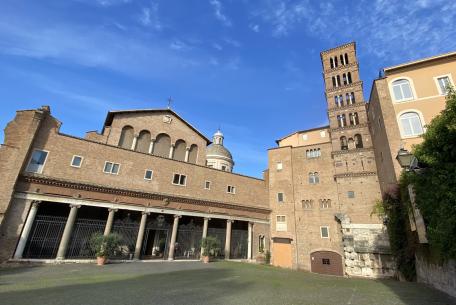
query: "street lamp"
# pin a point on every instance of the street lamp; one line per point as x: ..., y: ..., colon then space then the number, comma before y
x: 406, y: 159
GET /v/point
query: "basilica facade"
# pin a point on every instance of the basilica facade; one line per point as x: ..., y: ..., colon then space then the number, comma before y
x: 154, y: 179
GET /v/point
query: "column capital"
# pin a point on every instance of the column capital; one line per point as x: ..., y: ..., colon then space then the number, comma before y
x: 145, y: 213
x: 113, y: 210
x: 187, y: 148
x: 177, y: 216
x: 73, y: 206
x: 229, y: 220
x: 36, y: 203
x: 153, y: 140
x: 207, y: 218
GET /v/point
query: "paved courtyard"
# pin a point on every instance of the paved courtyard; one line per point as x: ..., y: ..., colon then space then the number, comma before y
x: 194, y: 283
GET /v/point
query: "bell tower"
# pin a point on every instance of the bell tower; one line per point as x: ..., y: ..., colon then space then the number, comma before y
x: 352, y: 150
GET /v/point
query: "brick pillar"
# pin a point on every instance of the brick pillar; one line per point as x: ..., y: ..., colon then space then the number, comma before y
x: 26, y: 230
x: 67, y: 232
x: 172, y: 243
x: 139, y: 239
x: 228, y: 239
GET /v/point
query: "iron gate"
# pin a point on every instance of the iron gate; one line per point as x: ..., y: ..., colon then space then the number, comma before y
x: 128, y: 230
x: 45, y: 238
x: 188, y: 242
x: 83, y: 230
x: 220, y: 235
x: 239, y: 244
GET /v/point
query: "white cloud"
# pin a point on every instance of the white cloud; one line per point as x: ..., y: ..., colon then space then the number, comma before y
x: 232, y: 42
x: 178, y: 45
x: 217, y: 46
x: 217, y: 6
x: 254, y: 27
x: 149, y: 17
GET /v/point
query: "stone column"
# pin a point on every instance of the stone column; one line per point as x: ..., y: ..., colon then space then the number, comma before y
x: 26, y: 230
x: 109, y: 222
x: 205, y: 226
x: 228, y: 239
x: 151, y: 146
x: 172, y: 243
x: 139, y: 239
x: 171, y: 151
x: 67, y: 232
x: 133, y: 144
x: 187, y: 153
x: 249, y: 241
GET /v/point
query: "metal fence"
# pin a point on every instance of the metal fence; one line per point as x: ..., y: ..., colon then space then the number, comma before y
x: 188, y: 243
x: 83, y: 230
x: 45, y: 237
x: 220, y: 235
x: 129, y: 233
x: 239, y: 244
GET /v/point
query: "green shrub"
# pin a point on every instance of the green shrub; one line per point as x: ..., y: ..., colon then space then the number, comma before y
x: 104, y: 246
x: 210, y: 245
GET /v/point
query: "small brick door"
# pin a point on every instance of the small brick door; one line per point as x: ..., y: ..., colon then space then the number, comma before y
x: 326, y: 262
x: 281, y: 253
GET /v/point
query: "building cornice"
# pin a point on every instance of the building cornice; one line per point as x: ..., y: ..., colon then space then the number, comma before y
x: 338, y: 48
x: 342, y: 67
x: 355, y: 174
x: 347, y: 107
x: 351, y: 151
x: 139, y: 194
x: 344, y: 87
x: 349, y: 127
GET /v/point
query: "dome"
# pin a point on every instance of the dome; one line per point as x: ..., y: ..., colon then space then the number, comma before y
x: 217, y: 150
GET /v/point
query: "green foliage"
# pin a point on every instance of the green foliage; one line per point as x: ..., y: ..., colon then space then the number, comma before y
x: 401, y: 239
x: 267, y: 257
x: 210, y: 245
x: 104, y: 246
x: 436, y: 187
x: 378, y: 209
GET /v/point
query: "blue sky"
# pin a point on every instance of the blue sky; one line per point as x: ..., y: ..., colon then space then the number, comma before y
x: 249, y: 66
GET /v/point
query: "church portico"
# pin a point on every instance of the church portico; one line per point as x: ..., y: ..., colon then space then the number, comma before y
x: 59, y: 229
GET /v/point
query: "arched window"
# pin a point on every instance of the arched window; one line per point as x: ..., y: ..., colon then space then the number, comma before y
x: 338, y: 80
x: 352, y: 97
x: 193, y: 153
x: 162, y: 145
x: 335, y: 61
x: 358, y: 141
x: 336, y: 101
x: 411, y: 124
x: 342, y: 59
x: 331, y: 63
x: 314, y: 178
x: 402, y: 90
x: 334, y: 82
x: 354, y: 120
x: 179, y: 150
x: 349, y: 76
x: 344, y: 77
x: 341, y: 100
x: 346, y: 58
x: 143, y: 142
x: 126, y: 137
x: 343, y: 143
x: 341, y: 120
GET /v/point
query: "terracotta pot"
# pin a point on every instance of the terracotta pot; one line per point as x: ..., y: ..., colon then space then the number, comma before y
x: 101, y: 260
x: 206, y: 259
x: 260, y: 259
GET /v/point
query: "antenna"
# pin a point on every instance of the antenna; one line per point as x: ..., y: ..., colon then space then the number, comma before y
x: 170, y: 100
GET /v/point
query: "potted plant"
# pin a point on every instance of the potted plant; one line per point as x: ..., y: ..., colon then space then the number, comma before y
x: 260, y: 258
x: 210, y: 247
x: 104, y: 246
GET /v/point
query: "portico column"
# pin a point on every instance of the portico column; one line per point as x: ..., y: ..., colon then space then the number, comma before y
x: 26, y: 230
x: 173, y: 237
x: 151, y: 146
x: 67, y: 231
x: 228, y: 239
x: 205, y: 226
x: 109, y: 222
x: 187, y: 153
x: 133, y: 144
x: 139, y: 239
x: 171, y: 151
x: 249, y: 241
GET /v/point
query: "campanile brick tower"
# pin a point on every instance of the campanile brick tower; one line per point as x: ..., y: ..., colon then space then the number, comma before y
x: 352, y: 150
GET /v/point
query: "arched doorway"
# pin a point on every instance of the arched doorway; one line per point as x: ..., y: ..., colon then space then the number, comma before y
x: 326, y: 262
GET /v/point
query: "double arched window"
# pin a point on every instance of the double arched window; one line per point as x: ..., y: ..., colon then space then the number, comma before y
x: 358, y: 141
x: 314, y: 178
x: 126, y: 137
x: 411, y: 125
x: 343, y: 143
x: 402, y: 90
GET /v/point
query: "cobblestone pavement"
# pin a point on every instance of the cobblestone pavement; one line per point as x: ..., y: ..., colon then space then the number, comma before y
x: 194, y: 283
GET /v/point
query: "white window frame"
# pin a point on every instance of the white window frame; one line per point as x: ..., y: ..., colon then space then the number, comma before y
x: 205, y: 185
x: 233, y: 189
x: 283, y: 224
x: 111, y: 173
x: 180, y: 175
x: 412, y: 89
x: 436, y: 80
x: 151, y: 175
x: 420, y: 115
x: 279, y: 166
x: 72, y: 160
x: 321, y: 232
x: 44, y: 163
